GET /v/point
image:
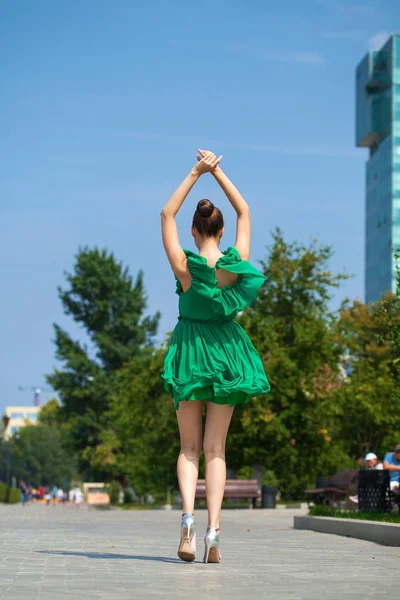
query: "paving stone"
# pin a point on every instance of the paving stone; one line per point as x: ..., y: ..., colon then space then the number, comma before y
x: 49, y: 552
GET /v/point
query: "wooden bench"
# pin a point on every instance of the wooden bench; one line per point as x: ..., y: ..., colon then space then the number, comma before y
x: 337, y: 488
x: 234, y: 488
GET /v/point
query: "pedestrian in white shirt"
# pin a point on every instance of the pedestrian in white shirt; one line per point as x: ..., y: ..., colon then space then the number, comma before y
x: 78, y: 497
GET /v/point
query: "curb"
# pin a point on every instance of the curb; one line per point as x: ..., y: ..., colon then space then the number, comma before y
x: 387, y: 534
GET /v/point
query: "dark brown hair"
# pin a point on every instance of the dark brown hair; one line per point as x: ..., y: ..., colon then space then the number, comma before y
x: 208, y: 219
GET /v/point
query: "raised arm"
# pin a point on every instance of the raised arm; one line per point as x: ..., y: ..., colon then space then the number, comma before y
x: 242, y: 243
x: 170, y: 238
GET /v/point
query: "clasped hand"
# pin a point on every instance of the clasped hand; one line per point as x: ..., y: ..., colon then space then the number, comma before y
x: 206, y: 162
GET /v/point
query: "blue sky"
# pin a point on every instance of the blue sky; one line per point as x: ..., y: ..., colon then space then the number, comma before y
x: 103, y: 107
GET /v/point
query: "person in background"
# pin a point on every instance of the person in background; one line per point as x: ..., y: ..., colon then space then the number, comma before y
x: 78, y: 497
x: 71, y: 496
x: 41, y: 492
x: 22, y: 487
x: 54, y: 493
x: 60, y: 495
x: 47, y: 494
x: 391, y: 462
x: 28, y: 494
x: 371, y: 461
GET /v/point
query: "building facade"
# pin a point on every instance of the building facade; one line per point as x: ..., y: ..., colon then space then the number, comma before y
x: 378, y: 129
x: 18, y: 416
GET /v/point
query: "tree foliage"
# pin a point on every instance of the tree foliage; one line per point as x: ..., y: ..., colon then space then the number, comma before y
x: 109, y: 305
x: 289, y: 431
x: 40, y: 456
x: 369, y: 400
x: 143, y: 442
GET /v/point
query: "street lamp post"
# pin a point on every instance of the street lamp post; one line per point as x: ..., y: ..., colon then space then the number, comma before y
x: 10, y: 478
x: 8, y: 464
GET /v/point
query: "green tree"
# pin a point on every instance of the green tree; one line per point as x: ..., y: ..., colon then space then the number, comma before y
x: 369, y: 400
x: 49, y: 413
x: 144, y: 440
x: 40, y: 456
x: 109, y: 305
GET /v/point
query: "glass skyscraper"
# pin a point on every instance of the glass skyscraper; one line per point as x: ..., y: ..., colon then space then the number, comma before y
x: 378, y: 128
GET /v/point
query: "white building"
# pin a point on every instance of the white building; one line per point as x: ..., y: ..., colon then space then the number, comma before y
x: 18, y: 416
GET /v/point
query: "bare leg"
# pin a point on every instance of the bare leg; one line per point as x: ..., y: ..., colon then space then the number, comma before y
x: 216, y: 429
x: 189, y: 417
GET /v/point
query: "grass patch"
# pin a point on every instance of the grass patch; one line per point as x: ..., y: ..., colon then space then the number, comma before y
x: 201, y: 504
x: 324, y: 511
x: 234, y: 504
x: 140, y: 506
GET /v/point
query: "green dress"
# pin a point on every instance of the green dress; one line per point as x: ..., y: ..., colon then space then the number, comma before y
x: 210, y: 356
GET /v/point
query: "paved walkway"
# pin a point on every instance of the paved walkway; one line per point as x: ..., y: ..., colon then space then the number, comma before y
x: 66, y: 552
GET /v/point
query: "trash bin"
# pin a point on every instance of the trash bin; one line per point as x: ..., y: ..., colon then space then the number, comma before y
x: 268, y: 496
x: 374, y: 491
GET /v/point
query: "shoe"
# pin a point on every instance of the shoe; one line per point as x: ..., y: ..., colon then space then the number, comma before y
x: 212, y: 552
x: 187, y: 546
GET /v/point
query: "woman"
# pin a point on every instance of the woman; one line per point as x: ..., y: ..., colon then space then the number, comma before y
x: 210, y: 357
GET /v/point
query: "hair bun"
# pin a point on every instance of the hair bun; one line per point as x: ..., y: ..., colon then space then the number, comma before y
x: 205, y: 208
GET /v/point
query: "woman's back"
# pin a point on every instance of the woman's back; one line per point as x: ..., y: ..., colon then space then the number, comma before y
x: 213, y: 257
x: 217, y: 292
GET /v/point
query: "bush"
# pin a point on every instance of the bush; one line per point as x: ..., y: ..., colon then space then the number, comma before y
x: 128, y: 498
x: 14, y: 495
x: 9, y: 494
x: 113, y: 490
x: 327, y: 511
x: 271, y: 479
x: 244, y: 472
x: 3, y: 492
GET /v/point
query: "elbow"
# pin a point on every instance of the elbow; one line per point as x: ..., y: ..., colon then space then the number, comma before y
x: 244, y: 212
x: 164, y: 214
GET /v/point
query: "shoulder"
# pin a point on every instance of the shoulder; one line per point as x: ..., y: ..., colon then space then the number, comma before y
x: 194, y: 257
x: 196, y: 273
x: 232, y: 252
x: 388, y: 457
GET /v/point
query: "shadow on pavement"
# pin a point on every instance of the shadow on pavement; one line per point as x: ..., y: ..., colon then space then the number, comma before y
x: 108, y: 555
